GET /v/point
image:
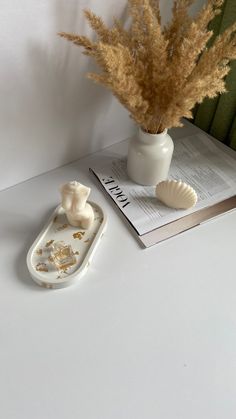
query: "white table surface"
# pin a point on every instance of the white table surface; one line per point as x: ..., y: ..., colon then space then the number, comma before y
x: 146, y: 334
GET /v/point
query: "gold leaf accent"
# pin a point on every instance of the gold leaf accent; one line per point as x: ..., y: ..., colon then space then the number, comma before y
x: 48, y: 286
x: 39, y: 252
x: 62, y: 227
x: 79, y: 235
x: 41, y: 267
x: 48, y: 244
x: 87, y: 241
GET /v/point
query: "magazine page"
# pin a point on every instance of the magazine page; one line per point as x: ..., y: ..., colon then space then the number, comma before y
x: 197, y: 160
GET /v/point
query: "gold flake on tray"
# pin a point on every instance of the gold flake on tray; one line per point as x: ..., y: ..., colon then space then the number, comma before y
x: 41, y: 267
x: 76, y: 253
x: 62, y: 227
x: 46, y: 285
x: 48, y: 244
x: 39, y: 252
x: 55, y: 219
x: 87, y: 241
x: 79, y: 235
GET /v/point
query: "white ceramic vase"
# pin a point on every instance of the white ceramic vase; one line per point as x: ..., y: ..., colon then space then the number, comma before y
x: 149, y: 157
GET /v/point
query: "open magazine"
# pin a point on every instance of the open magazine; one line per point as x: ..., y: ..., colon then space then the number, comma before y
x: 204, y: 163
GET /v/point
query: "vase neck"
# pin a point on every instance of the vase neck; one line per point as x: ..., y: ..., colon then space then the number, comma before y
x: 147, y: 138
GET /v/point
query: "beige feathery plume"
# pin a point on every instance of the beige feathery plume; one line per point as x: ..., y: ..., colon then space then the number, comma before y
x: 98, y: 26
x: 155, y: 5
x: 82, y: 41
x: 123, y: 35
x: 175, y: 30
x: 157, y: 73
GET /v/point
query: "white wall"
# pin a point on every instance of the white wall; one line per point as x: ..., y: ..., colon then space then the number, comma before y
x: 50, y: 113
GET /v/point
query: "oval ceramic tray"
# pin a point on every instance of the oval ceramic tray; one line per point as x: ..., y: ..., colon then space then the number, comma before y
x: 83, y: 244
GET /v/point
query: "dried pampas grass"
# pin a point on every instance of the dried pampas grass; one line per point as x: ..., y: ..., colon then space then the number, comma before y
x: 157, y: 73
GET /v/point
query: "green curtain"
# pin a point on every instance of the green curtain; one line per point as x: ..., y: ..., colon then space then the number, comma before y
x: 218, y: 116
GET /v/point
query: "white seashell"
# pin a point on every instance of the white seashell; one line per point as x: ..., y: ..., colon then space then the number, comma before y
x: 176, y: 194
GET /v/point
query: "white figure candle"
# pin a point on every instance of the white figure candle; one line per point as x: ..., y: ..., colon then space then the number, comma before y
x: 74, y: 201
